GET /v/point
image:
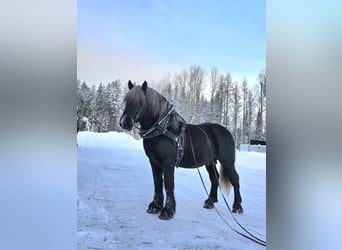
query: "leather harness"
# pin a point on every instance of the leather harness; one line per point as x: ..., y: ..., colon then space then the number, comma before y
x: 160, y: 128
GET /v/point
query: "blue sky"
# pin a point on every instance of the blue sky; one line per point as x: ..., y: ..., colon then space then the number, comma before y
x: 146, y: 40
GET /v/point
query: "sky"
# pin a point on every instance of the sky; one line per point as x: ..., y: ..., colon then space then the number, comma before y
x: 150, y: 40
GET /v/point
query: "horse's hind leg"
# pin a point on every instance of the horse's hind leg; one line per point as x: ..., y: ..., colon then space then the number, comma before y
x: 214, y: 177
x: 229, y: 171
x: 234, y: 177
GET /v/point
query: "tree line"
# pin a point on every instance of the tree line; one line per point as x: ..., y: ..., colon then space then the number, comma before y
x: 235, y: 105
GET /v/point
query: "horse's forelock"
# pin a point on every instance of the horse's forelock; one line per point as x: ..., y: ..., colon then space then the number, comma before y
x: 135, y: 95
x: 156, y: 102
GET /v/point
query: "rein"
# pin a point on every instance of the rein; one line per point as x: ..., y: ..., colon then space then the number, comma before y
x: 252, y: 238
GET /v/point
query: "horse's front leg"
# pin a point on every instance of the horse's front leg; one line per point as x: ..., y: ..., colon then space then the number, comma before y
x: 169, y: 209
x: 158, y: 199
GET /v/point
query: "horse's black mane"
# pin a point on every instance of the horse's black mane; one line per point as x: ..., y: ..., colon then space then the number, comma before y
x: 157, y: 104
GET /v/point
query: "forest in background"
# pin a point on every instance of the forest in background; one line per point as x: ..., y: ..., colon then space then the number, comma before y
x: 198, y: 95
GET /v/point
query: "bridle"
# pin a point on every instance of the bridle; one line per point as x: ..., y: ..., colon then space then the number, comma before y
x: 137, y: 116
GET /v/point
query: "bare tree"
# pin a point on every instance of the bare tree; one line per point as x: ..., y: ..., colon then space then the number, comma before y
x: 166, y: 87
x: 236, y: 113
x: 181, y: 80
x: 260, y: 122
x: 245, y: 111
x: 251, y: 112
x: 227, y: 97
x: 196, y: 80
x: 213, y: 89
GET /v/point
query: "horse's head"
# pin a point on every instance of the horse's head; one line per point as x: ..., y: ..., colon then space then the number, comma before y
x: 135, y: 105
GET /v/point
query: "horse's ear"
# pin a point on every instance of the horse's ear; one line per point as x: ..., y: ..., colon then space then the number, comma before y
x: 144, y: 86
x: 130, y: 84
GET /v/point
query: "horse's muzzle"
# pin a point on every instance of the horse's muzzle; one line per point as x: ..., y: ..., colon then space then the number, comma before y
x: 126, y: 122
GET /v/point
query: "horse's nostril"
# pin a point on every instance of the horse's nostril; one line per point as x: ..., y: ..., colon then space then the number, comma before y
x: 123, y: 121
x: 126, y: 122
x: 120, y: 122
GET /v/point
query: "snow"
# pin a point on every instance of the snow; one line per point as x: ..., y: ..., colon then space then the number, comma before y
x: 108, y: 140
x: 256, y: 148
x: 115, y: 185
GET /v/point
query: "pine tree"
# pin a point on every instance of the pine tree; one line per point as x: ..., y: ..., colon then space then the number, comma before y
x: 78, y: 106
x: 258, y: 125
x: 117, y: 105
x: 83, y: 105
x: 101, y: 121
x: 109, y: 104
x: 92, y: 105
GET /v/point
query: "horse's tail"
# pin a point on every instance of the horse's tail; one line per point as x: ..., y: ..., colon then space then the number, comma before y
x: 224, y: 179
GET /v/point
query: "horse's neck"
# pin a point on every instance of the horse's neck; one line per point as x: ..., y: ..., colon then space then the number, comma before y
x: 174, y: 124
x: 149, y: 120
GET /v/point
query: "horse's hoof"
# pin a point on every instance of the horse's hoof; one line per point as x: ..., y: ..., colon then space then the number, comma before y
x: 167, y: 212
x: 208, y: 204
x: 166, y: 215
x: 154, y: 208
x: 237, y: 208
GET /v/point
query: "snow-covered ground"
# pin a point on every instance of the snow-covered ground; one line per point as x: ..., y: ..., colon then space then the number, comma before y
x: 115, y: 186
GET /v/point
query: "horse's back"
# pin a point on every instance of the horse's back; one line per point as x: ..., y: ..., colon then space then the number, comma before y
x: 210, y: 141
x: 217, y: 131
x: 223, y: 141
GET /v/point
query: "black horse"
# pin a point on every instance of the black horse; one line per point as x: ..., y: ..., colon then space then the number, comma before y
x: 169, y: 141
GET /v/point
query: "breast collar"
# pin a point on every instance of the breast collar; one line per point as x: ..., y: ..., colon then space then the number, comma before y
x: 160, y: 128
